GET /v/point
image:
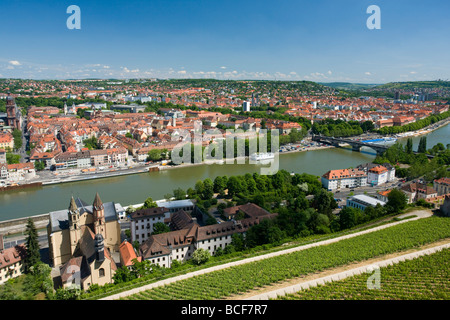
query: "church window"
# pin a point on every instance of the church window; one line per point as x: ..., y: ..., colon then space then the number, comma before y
x: 101, y: 272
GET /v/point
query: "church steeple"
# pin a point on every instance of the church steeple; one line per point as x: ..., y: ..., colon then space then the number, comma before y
x: 74, y: 224
x: 99, y: 215
x: 98, y: 204
x: 74, y: 214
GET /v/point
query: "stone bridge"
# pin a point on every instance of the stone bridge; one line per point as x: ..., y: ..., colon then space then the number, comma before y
x: 356, y: 145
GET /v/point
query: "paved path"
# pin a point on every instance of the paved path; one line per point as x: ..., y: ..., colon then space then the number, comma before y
x: 261, y: 257
x: 345, y: 274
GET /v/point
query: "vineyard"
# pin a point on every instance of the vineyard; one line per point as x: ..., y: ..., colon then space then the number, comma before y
x: 424, y: 278
x: 242, y: 278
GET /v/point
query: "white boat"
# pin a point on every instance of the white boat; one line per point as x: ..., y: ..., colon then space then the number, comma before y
x: 262, y: 156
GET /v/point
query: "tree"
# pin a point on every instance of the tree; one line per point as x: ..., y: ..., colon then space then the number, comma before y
x: 39, y: 165
x: 12, y: 158
x: 409, y: 146
x: 149, y: 203
x: 154, y: 155
x: 200, y: 256
x: 123, y: 274
x: 348, y: 217
x: 17, y: 134
x: 324, y: 202
x: 422, y: 145
x: 238, y: 242
x: 160, y: 227
x: 234, y: 185
x: 32, y: 256
x: 264, y: 232
x: 220, y: 184
x: 397, y: 201
x: 179, y: 194
x: 208, y: 189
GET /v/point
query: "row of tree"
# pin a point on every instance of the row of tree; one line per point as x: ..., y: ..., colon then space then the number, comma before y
x: 418, y: 165
x: 341, y: 128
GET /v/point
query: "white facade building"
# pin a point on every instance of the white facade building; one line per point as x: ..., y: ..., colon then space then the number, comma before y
x: 362, y: 201
x: 344, y: 179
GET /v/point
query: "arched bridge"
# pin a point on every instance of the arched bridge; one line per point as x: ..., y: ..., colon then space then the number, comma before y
x: 356, y: 145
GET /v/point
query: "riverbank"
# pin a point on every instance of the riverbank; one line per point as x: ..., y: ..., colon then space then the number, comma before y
x: 64, y: 177
x: 425, y: 130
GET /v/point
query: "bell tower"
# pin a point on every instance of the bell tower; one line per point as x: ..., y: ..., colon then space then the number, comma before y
x: 74, y: 225
x: 11, y: 110
x: 99, y: 216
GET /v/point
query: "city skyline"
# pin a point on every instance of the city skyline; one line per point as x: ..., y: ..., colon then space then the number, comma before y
x: 321, y: 42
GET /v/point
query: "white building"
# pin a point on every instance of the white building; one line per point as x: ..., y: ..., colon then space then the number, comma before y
x: 246, y: 106
x: 10, y: 261
x: 377, y: 175
x: 362, y: 201
x: 143, y: 220
x: 343, y: 179
x: 179, y: 245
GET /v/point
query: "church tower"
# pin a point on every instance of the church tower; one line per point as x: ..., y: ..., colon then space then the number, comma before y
x: 74, y: 225
x: 11, y: 112
x: 99, y: 216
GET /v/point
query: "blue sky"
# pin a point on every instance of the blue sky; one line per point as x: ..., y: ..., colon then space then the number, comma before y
x: 323, y: 40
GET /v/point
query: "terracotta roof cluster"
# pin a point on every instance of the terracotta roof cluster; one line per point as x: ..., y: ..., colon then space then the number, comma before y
x: 344, y: 173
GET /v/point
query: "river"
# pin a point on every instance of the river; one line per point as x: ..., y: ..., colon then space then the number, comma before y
x: 136, y: 188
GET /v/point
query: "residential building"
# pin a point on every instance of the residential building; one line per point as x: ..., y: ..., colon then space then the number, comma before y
x: 415, y: 191
x: 345, y: 178
x: 6, y: 141
x: 127, y: 254
x: 389, y: 176
x: 143, y: 220
x: 179, y: 245
x: 21, y: 171
x: 2, y: 155
x: 10, y: 261
x: 377, y: 175
x: 383, y: 195
x: 442, y: 186
x: 249, y: 210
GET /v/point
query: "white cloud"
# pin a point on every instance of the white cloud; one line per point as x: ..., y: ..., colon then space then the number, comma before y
x: 223, y: 67
x: 413, y: 72
x: 182, y: 72
x: 329, y: 72
x: 368, y: 73
x: 15, y: 63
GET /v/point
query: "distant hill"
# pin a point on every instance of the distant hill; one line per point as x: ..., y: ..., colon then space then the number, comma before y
x: 348, y: 85
x: 411, y: 85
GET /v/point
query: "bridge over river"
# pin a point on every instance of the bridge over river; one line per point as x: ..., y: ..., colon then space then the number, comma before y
x: 355, y: 144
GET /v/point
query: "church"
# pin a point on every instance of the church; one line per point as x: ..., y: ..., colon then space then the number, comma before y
x: 13, y: 117
x: 81, y: 241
